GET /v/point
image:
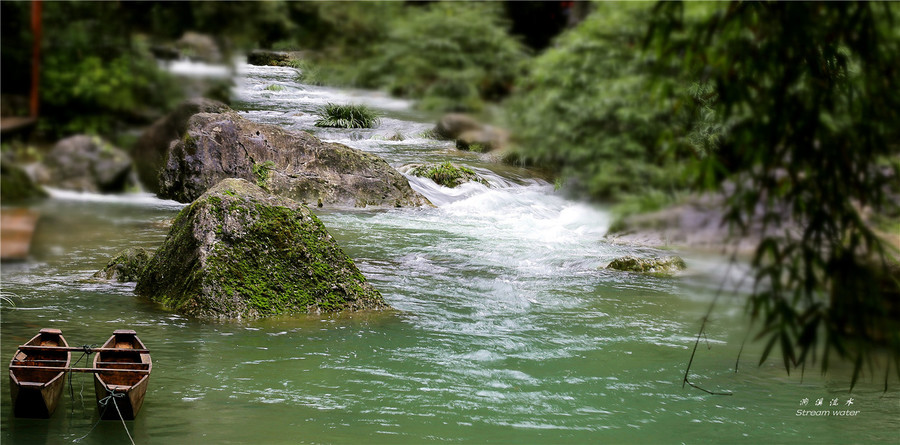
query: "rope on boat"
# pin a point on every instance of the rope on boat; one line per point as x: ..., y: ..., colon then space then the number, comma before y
x: 86, y: 351
x: 104, y: 402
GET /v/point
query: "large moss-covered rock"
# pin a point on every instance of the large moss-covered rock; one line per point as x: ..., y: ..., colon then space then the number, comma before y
x: 293, y: 164
x: 240, y: 252
x: 126, y: 266
x: 664, y: 265
x: 150, y: 150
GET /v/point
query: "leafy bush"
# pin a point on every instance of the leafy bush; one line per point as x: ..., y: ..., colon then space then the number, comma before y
x: 450, y: 55
x: 590, y: 110
x: 95, y: 76
x: 347, y: 116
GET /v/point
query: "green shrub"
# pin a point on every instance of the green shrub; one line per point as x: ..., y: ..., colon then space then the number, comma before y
x: 347, y: 116
x: 450, y: 55
x: 589, y: 110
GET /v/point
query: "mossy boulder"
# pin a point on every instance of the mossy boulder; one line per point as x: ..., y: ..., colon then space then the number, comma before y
x: 240, y: 252
x: 16, y: 185
x: 293, y: 164
x: 150, y: 150
x: 446, y: 174
x: 663, y: 265
x: 126, y: 266
x: 89, y: 164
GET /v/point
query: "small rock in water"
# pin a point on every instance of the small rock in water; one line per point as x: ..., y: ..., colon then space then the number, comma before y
x: 126, y: 266
x: 665, y: 265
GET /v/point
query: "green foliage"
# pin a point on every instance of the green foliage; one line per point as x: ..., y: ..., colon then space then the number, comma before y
x: 347, y: 116
x: 95, y: 77
x: 589, y: 110
x: 811, y: 102
x: 447, y: 174
x: 450, y: 55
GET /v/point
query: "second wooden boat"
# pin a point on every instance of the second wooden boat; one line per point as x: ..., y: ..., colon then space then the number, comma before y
x: 35, y: 389
x: 121, y: 374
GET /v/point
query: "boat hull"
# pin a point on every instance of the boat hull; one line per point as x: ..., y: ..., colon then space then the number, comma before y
x: 36, y: 392
x: 120, y: 392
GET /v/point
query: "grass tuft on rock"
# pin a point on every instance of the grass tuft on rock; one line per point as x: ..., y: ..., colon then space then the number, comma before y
x: 347, y: 116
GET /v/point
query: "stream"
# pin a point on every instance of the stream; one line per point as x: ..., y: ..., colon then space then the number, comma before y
x: 507, y: 329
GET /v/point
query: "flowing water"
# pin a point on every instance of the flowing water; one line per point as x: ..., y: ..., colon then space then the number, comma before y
x: 506, y: 328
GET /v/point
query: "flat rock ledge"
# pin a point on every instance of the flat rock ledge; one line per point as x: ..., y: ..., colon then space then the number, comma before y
x: 293, y: 164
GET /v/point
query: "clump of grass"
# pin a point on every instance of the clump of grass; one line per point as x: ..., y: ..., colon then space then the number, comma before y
x: 347, y: 116
x: 447, y: 174
x: 275, y: 87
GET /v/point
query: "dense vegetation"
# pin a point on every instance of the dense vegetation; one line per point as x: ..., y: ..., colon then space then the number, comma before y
x: 788, y: 109
x: 811, y: 97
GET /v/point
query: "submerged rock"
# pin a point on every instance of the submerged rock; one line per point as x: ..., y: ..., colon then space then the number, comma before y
x: 446, y: 174
x: 296, y: 165
x: 150, y: 150
x: 664, y: 265
x: 240, y: 252
x: 88, y: 164
x: 126, y: 266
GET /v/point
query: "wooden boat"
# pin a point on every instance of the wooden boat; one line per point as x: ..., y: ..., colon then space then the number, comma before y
x: 36, y: 374
x: 121, y: 373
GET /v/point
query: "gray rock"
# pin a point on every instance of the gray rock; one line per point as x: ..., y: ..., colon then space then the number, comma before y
x: 201, y: 47
x: 150, y: 150
x: 89, y: 164
x: 240, y: 252
x: 296, y: 165
x: 470, y: 134
x: 451, y: 125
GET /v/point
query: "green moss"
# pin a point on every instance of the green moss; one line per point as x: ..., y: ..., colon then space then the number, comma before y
x: 264, y: 260
x: 658, y: 266
x: 447, y: 174
x: 261, y: 172
x: 275, y: 87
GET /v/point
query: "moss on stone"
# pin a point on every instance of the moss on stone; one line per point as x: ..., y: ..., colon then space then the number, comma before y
x: 662, y: 266
x: 126, y: 266
x: 447, y: 174
x: 250, y: 254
